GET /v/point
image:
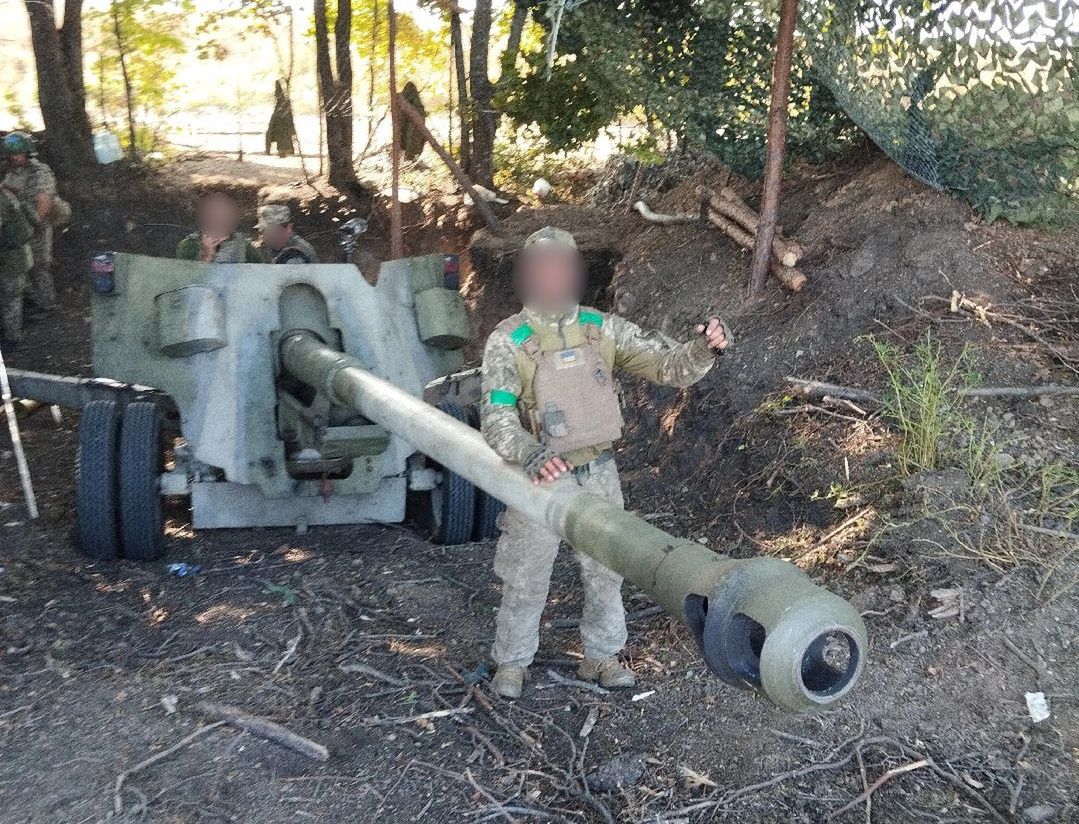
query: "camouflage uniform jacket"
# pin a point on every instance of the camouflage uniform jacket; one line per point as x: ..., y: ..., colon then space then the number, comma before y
x: 235, y: 249
x: 508, y: 372
x: 15, y: 233
x: 295, y: 242
x: 27, y: 182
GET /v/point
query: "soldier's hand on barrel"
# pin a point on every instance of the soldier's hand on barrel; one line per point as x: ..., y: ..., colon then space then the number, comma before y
x: 554, y: 469
x: 714, y: 333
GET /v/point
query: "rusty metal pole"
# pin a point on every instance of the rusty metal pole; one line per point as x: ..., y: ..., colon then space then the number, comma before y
x: 773, y: 156
x: 397, y: 248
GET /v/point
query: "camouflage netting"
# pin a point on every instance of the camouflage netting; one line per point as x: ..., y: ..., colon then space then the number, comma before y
x: 979, y: 97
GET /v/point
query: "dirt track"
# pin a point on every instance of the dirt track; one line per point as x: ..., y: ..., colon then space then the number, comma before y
x: 101, y: 666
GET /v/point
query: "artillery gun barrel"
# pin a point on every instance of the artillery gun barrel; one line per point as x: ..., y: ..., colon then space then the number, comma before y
x: 760, y: 623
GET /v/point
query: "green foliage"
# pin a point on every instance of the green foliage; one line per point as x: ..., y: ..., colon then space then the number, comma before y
x: 522, y: 154
x: 699, y: 69
x: 925, y: 403
x: 422, y: 54
x: 15, y: 109
x: 143, y: 31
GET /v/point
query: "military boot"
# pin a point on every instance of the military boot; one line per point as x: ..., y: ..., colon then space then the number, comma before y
x: 509, y: 681
x: 607, y: 672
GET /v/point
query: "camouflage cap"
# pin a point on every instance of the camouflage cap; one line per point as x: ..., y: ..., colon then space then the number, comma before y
x: 273, y: 214
x: 551, y: 235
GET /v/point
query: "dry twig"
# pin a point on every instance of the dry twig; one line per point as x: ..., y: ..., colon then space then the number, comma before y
x: 117, y: 799
x: 264, y: 728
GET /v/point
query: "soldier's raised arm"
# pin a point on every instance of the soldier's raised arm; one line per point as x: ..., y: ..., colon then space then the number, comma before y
x: 660, y: 359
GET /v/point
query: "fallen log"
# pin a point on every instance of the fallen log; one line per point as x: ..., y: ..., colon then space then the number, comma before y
x: 787, y: 275
x: 730, y: 198
x: 728, y: 204
x: 264, y: 728
x: 820, y: 389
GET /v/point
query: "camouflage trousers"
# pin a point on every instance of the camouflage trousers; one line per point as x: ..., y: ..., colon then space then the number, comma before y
x: 40, y: 290
x: 524, y: 560
x: 12, y: 286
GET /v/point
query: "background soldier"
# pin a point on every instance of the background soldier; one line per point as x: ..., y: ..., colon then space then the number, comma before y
x: 280, y: 243
x: 551, y: 366
x: 16, y: 258
x: 282, y: 129
x: 34, y: 184
x: 218, y: 239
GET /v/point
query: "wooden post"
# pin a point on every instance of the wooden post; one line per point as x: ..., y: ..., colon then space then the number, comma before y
x: 397, y: 249
x: 773, y: 157
x: 405, y: 108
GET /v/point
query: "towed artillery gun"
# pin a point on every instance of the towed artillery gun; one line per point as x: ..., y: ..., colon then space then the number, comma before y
x: 294, y: 395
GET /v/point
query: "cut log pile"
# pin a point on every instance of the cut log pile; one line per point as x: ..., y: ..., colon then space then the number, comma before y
x: 729, y: 213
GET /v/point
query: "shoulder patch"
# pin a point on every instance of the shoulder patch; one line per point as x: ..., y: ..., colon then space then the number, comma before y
x: 521, y: 334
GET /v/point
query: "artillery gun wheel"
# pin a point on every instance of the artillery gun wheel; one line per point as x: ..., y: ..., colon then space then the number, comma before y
x: 96, y: 496
x: 453, y: 502
x: 488, y: 507
x: 142, y: 460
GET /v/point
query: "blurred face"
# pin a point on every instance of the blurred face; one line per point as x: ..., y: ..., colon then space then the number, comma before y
x: 20, y: 159
x: 218, y: 216
x: 277, y: 236
x: 549, y: 279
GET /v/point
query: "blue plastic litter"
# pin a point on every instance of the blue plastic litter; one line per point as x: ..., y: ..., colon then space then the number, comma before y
x: 183, y: 569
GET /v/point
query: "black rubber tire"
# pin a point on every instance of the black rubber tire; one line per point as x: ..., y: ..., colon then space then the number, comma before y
x: 488, y: 507
x: 142, y: 460
x: 96, y: 494
x: 457, y: 499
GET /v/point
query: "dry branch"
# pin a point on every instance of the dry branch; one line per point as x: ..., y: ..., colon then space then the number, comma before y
x: 264, y: 728
x: 660, y: 218
x: 884, y: 779
x: 958, y: 302
x: 408, y: 111
x: 788, y: 276
x: 820, y: 389
x: 117, y: 798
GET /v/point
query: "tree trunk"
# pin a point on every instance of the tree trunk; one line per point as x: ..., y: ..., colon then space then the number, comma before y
x: 129, y: 94
x: 71, y: 42
x: 484, y: 118
x: 67, y: 128
x: 336, y: 94
x: 513, y: 42
x: 371, y: 65
x: 462, y: 89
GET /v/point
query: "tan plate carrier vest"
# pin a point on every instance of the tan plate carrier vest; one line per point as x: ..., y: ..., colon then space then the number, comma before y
x: 575, y: 398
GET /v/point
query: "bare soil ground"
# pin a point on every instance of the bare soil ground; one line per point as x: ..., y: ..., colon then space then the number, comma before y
x: 353, y: 636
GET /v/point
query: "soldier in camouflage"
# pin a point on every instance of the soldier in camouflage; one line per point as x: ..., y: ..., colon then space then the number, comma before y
x: 16, y: 258
x: 280, y: 243
x: 218, y: 239
x: 34, y: 184
x: 550, y: 405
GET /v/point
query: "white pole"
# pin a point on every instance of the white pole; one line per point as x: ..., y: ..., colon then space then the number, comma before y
x: 16, y: 440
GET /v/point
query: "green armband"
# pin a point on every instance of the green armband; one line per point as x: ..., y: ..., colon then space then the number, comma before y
x: 594, y: 318
x: 500, y: 397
